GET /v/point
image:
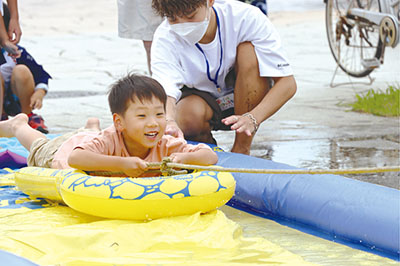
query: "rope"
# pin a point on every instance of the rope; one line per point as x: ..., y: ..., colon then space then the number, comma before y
x: 288, y: 171
x: 166, y: 169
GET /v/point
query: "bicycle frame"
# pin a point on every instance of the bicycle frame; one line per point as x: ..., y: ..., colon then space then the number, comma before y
x: 376, y: 18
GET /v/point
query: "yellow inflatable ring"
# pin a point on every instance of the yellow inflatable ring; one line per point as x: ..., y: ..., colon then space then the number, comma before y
x: 129, y: 198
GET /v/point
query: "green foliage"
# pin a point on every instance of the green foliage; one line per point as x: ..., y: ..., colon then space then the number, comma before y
x: 379, y: 103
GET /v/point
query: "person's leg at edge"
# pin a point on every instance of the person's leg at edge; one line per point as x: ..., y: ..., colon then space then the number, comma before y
x: 23, y: 85
x: 147, y: 47
x: 93, y: 123
x: 18, y: 127
x: 193, y: 116
x: 250, y: 89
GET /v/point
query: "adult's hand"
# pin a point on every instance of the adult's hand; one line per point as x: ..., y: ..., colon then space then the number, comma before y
x: 37, y: 99
x: 242, y: 123
x: 173, y: 129
x: 11, y: 49
x: 14, y: 31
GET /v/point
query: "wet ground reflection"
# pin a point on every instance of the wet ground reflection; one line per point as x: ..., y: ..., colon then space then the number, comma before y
x: 338, y: 154
x: 73, y: 94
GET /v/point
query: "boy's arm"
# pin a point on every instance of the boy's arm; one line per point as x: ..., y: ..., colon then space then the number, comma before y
x: 91, y: 161
x: 202, y: 156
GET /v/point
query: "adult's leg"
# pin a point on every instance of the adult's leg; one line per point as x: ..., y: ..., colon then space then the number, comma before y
x: 193, y: 116
x: 23, y: 85
x: 147, y: 47
x: 250, y: 89
x: 18, y: 127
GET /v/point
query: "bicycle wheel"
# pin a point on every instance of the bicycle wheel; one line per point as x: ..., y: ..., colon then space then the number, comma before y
x: 354, y: 43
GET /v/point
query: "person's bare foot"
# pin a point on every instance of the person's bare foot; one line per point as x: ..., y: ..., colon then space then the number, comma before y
x: 93, y: 123
x: 7, y: 127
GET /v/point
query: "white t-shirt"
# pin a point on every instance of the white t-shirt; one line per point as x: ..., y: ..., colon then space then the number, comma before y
x: 7, y: 68
x: 175, y: 62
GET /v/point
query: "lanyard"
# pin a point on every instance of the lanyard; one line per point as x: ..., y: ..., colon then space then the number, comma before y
x: 215, y: 79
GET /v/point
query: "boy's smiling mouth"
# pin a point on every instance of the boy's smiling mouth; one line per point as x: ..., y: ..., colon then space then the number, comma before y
x: 152, y: 134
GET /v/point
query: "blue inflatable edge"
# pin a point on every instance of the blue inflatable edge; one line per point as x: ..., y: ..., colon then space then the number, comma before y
x: 12, y: 259
x: 313, y: 231
x: 350, y: 212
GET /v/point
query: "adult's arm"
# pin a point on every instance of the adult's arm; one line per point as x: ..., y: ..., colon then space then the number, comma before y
x: 5, y: 42
x: 172, y: 127
x: 14, y: 29
x: 283, y: 89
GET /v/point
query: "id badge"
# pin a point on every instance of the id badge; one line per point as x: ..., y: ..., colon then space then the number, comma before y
x: 225, y: 102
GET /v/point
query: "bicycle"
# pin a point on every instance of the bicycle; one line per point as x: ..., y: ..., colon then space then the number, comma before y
x: 359, y: 31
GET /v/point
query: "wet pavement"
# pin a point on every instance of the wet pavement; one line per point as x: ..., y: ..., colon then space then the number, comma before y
x: 338, y: 154
x: 78, y: 44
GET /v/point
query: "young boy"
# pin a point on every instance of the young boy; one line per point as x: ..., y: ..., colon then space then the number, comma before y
x: 23, y: 84
x: 137, y: 135
x: 213, y: 59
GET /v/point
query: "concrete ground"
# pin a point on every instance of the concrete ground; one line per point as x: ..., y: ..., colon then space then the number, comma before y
x: 77, y: 43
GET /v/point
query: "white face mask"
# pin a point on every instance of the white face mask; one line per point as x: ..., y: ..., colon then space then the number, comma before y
x: 192, y: 32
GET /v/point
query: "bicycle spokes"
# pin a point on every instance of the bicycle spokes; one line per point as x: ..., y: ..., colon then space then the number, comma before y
x: 354, y: 42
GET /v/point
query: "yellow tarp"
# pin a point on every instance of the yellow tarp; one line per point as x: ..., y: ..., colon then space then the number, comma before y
x: 58, y: 235
x: 61, y: 236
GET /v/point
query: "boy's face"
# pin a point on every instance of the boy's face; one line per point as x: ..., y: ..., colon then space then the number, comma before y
x: 196, y: 16
x: 143, y: 124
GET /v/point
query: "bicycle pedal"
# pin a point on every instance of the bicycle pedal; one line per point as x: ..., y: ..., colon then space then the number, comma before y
x: 371, y: 63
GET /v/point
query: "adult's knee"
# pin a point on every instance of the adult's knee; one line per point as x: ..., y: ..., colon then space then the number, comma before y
x: 190, y: 122
x: 193, y: 116
x: 21, y: 72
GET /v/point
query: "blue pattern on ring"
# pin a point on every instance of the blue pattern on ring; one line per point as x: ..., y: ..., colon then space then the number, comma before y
x: 148, y: 189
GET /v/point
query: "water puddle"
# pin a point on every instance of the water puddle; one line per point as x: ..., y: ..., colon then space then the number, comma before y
x: 338, y: 154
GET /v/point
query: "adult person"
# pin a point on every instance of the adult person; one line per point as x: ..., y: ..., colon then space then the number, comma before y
x: 213, y: 59
x: 24, y: 83
x: 137, y: 20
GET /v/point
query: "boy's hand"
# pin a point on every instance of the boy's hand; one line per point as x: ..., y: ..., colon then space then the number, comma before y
x: 179, y: 157
x: 134, y: 166
x: 37, y: 99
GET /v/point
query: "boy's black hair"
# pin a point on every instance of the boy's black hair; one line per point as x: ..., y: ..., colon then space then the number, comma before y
x: 176, y: 8
x: 131, y: 87
x: 6, y: 16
